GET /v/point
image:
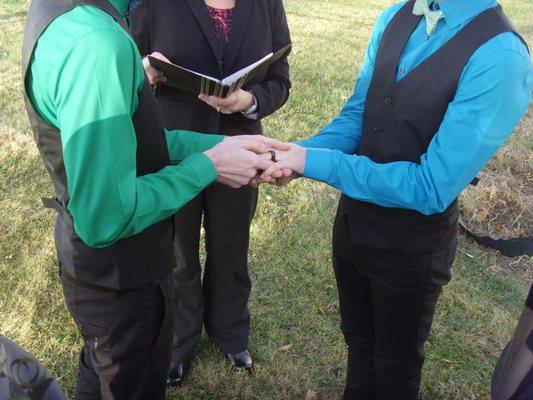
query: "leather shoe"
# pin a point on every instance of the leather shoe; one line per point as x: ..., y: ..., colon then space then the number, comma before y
x: 241, y: 360
x: 175, y: 374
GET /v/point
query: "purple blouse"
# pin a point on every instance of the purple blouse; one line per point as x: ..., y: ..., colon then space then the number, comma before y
x: 222, y: 24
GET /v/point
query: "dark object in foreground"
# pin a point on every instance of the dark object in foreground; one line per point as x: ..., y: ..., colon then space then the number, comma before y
x: 22, y: 377
x: 513, y: 376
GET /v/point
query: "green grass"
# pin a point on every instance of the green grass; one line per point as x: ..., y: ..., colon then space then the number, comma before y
x: 295, y: 337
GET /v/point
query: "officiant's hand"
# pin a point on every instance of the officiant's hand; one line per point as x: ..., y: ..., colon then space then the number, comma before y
x: 239, y: 101
x: 154, y: 75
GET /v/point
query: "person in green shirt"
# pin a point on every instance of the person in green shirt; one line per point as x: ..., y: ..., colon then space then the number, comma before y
x: 118, y: 178
x: 86, y: 74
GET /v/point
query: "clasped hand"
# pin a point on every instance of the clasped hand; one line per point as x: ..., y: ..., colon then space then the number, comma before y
x: 244, y: 160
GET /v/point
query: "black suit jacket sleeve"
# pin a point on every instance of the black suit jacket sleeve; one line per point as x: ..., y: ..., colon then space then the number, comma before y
x: 273, y: 92
x: 141, y: 28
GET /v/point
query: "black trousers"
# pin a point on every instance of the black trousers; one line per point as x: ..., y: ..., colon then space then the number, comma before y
x: 127, y: 340
x: 220, y: 301
x: 513, y: 376
x: 387, y: 302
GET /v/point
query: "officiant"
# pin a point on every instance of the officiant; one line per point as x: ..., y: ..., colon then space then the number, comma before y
x: 215, y: 38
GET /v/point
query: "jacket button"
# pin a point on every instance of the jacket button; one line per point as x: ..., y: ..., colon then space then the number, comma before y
x: 378, y: 129
x: 387, y: 101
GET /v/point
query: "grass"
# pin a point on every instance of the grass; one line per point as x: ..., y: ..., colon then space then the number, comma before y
x: 295, y: 337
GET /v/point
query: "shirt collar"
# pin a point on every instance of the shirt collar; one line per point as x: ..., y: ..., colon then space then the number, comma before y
x: 457, y: 12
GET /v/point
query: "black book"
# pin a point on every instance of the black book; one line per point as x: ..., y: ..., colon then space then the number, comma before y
x: 195, y: 82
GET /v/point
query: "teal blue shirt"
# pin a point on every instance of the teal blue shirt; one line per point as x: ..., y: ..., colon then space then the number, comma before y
x: 493, y: 94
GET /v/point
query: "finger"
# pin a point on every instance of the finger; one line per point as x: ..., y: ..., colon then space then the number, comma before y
x: 255, y: 146
x: 266, y: 156
x: 262, y: 164
x: 287, y: 172
x: 273, y: 168
x: 276, y: 144
x: 227, y: 102
x: 160, y: 56
x: 277, y: 174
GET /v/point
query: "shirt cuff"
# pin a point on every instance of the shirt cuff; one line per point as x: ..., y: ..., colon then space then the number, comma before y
x: 208, y: 141
x: 320, y: 164
x: 252, y: 112
x: 203, y: 167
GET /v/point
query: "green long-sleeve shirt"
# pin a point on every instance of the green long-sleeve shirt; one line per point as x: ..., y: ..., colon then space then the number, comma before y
x: 85, y: 78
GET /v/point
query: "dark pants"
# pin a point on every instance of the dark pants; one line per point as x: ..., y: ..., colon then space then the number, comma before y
x: 513, y: 376
x: 127, y: 340
x: 387, y: 302
x: 220, y: 302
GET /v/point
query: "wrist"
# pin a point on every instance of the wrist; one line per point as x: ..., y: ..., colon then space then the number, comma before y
x: 249, y: 102
x: 302, y: 158
x: 211, y: 154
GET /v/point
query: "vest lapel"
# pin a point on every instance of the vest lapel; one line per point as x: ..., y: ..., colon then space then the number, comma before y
x: 200, y: 12
x: 241, y: 17
x: 387, y: 61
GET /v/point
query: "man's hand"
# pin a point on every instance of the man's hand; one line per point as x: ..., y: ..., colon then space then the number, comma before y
x: 154, y: 75
x: 238, y: 101
x: 289, y: 164
x: 237, y: 159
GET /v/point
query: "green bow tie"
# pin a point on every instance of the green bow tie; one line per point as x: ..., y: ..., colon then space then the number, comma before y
x: 432, y: 17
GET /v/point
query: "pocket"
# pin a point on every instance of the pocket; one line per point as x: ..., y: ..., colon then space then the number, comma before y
x: 95, y: 313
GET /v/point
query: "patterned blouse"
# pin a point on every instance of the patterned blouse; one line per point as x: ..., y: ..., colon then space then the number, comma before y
x: 222, y: 24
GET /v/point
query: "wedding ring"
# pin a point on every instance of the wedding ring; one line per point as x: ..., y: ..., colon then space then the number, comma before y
x: 272, y: 155
x: 218, y: 109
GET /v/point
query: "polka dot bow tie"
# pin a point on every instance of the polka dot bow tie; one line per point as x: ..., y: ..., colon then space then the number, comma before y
x: 432, y: 17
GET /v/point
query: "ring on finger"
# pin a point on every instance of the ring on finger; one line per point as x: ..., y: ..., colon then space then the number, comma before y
x: 272, y: 155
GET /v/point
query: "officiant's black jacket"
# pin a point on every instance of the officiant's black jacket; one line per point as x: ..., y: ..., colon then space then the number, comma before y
x: 182, y: 31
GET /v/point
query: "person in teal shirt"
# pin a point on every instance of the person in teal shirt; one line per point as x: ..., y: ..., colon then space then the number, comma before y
x: 442, y: 86
x: 118, y: 178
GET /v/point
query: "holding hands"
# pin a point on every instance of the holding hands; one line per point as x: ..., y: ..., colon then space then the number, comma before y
x: 255, y: 159
x: 288, y: 165
x: 238, y: 159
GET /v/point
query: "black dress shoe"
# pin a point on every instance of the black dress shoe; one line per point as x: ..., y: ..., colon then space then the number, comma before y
x: 175, y: 374
x: 241, y: 360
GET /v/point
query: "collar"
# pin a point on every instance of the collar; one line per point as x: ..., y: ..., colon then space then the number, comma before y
x: 457, y: 12
x: 120, y: 5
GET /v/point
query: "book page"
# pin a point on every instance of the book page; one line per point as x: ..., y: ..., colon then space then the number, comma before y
x: 157, y: 63
x: 230, y: 80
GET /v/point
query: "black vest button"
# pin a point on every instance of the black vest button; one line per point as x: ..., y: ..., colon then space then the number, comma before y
x: 387, y: 101
x: 378, y: 129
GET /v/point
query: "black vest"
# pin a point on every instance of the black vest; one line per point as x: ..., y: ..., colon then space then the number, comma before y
x: 131, y: 262
x: 401, y: 118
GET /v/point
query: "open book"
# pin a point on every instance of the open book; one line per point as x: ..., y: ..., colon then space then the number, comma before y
x: 195, y: 82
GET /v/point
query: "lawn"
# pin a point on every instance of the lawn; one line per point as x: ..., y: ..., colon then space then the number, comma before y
x: 295, y: 338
